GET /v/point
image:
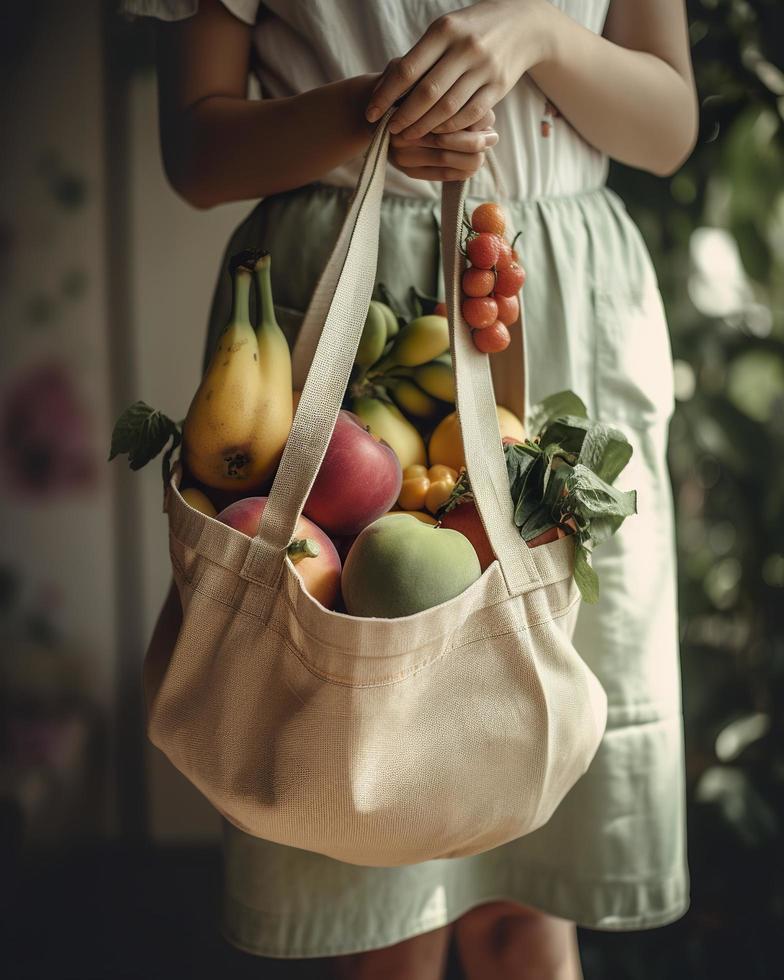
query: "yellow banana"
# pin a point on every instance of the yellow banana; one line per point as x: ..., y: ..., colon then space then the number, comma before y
x: 389, y: 318
x: 411, y: 398
x: 374, y: 338
x: 418, y: 342
x: 388, y: 423
x: 437, y: 379
x: 240, y: 416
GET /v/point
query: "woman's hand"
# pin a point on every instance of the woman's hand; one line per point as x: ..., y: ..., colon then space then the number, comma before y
x: 451, y: 156
x: 463, y: 65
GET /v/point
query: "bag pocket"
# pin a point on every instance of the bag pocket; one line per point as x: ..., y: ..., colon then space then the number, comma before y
x: 634, y: 371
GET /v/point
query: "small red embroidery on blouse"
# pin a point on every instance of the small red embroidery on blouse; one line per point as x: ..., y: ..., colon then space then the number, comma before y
x: 550, y: 114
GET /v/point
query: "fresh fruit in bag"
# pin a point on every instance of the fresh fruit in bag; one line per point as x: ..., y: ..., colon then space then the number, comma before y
x: 240, y: 416
x: 313, y: 554
x: 199, y: 501
x: 424, y: 488
x: 374, y: 337
x: 446, y: 442
x: 465, y: 519
x: 412, y: 399
x: 386, y: 422
x: 357, y: 482
x: 400, y: 565
x: 418, y: 342
x: 437, y: 378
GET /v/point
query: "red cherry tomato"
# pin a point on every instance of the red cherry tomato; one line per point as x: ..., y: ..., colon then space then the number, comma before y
x: 492, y: 339
x: 482, y: 250
x: 489, y: 217
x: 478, y: 282
x: 509, y: 279
x: 508, y: 308
x: 480, y: 312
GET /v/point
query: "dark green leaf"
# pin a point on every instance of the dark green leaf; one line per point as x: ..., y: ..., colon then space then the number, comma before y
x: 528, y: 491
x: 605, y: 450
x: 589, y: 497
x: 540, y: 518
x: 584, y: 575
x: 568, y: 431
x: 561, y: 403
x: 141, y: 432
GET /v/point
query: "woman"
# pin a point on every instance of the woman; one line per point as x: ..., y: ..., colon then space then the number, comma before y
x: 566, y: 86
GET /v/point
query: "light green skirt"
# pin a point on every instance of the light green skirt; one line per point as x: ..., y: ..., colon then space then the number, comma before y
x: 613, y: 856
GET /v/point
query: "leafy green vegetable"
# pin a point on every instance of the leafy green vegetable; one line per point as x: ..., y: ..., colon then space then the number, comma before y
x: 141, y: 432
x: 561, y: 403
x: 605, y: 450
x: 565, y: 473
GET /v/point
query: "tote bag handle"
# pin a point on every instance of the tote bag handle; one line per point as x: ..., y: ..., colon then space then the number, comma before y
x: 342, y: 298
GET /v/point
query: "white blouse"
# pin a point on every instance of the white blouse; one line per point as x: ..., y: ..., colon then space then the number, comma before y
x: 302, y: 44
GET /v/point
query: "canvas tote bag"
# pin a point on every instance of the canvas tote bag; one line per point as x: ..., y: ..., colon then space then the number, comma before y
x: 378, y: 742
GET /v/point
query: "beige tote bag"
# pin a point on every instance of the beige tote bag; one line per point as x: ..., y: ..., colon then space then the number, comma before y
x: 378, y: 742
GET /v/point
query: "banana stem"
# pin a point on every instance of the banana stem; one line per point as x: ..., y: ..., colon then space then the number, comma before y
x: 240, y: 305
x: 303, y: 548
x: 264, y: 282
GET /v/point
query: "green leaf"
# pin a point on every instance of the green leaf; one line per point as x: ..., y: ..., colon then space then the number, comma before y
x: 540, y: 518
x: 567, y: 430
x: 561, y: 403
x: 590, y: 498
x: 141, y: 432
x: 528, y: 491
x: 584, y: 575
x: 519, y: 458
x: 605, y: 450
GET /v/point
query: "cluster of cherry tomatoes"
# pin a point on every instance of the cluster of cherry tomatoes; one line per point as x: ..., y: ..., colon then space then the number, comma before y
x: 492, y: 281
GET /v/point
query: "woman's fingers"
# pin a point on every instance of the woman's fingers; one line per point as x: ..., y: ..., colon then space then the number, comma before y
x: 402, y: 73
x: 420, y: 114
x: 474, y: 110
x: 455, y: 156
x: 466, y: 141
x: 425, y: 156
x: 486, y: 122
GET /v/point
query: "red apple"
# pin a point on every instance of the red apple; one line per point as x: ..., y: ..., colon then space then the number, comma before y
x: 320, y: 575
x: 358, y: 481
x: 465, y: 519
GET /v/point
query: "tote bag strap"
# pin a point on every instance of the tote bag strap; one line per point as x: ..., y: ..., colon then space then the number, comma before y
x: 355, y: 259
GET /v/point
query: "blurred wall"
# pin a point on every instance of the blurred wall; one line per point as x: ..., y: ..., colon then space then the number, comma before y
x: 55, y: 491
x: 173, y: 257
x: 106, y: 284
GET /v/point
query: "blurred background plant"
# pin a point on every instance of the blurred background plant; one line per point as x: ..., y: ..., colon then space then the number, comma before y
x: 716, y: 233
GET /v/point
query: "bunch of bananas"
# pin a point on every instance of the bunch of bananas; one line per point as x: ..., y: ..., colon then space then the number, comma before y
x: 403, y: 382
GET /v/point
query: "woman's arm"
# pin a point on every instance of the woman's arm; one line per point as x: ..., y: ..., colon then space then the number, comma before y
x: 219, y: 146
x: 631, y: 94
